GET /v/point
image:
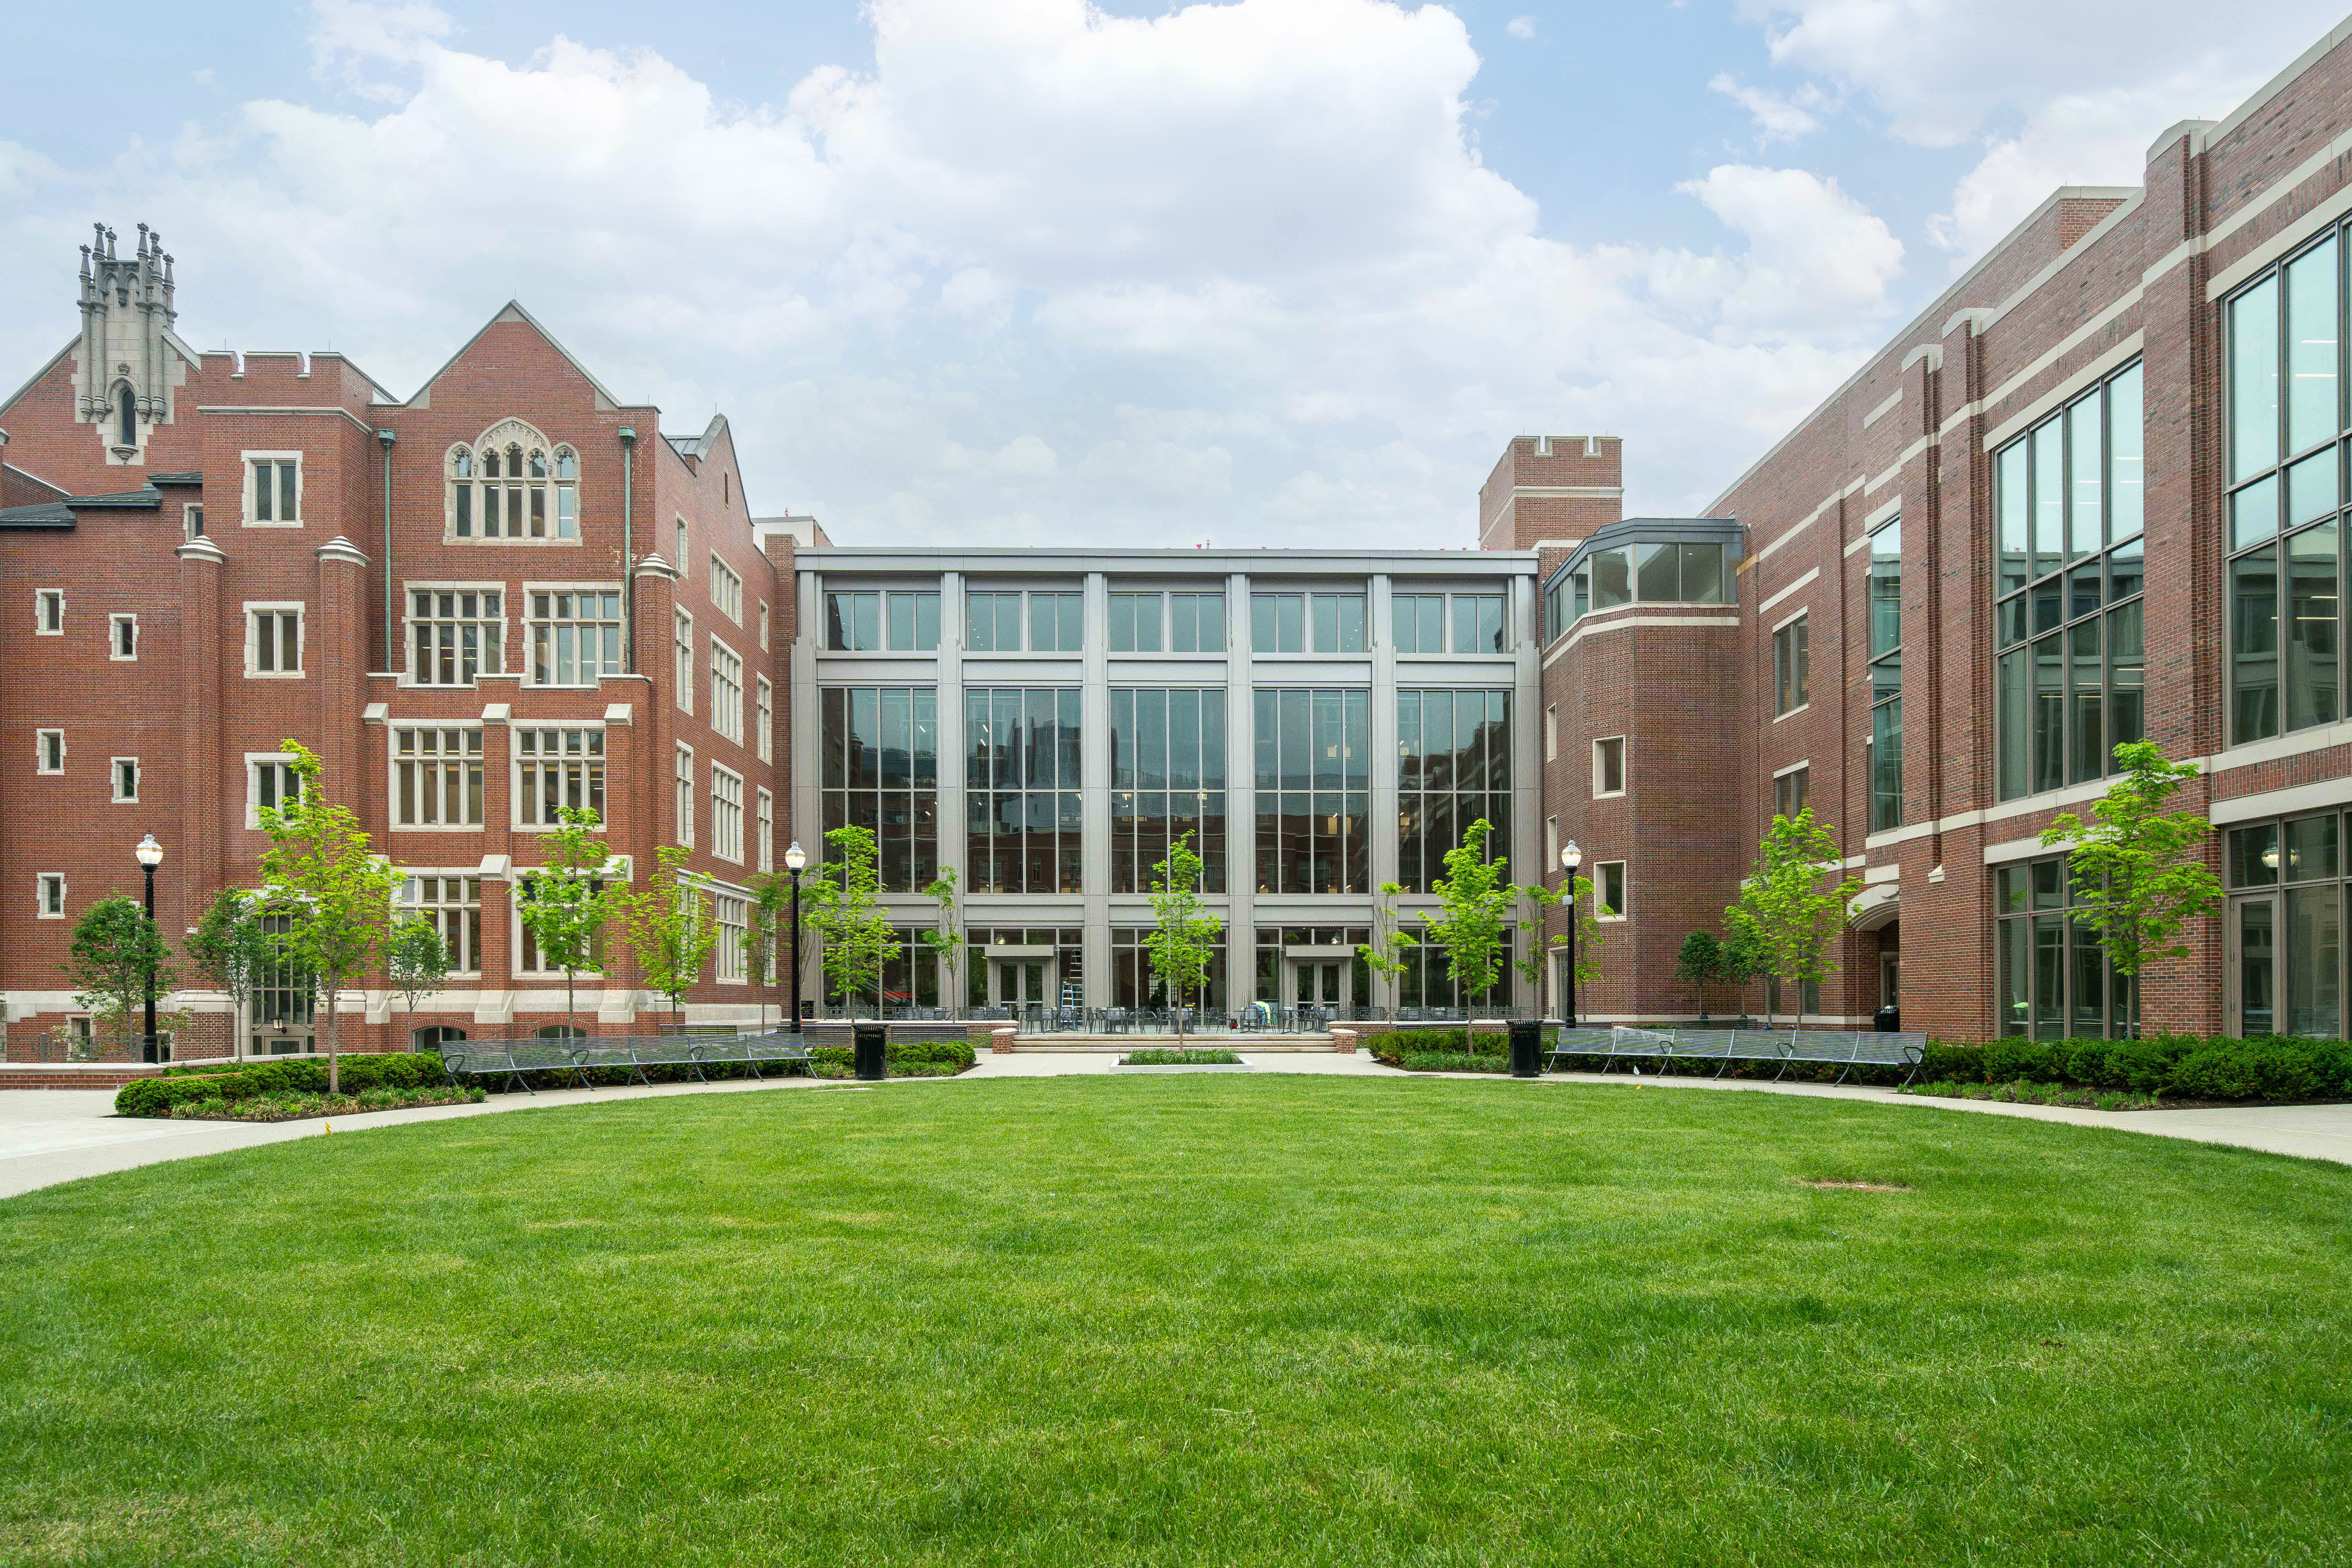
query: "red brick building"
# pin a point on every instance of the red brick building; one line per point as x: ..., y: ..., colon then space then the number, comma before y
x: 503, y: 593
x: 2090, y: 495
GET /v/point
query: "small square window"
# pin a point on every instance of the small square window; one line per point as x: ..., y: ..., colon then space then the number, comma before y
x: 122, y: 637
x: 273, y: 488
x: 1609, y: 767
x: 49, y: 612
x: 270, y: 782
x: 1608, y: 891
x: 273, y: 643
x: 49, y: 896
x: 49, y: 751
x: 126, y: 779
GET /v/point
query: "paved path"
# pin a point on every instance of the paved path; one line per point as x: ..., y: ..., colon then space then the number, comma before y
x: 49, y: 1136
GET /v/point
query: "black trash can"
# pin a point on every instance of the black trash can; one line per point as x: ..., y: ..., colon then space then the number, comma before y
x: 1527, y: 1047
x: 871, y: 1050
x: 1888, y: 1019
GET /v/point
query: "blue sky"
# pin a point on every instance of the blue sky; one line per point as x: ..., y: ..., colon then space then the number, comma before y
x: 1271, y: 272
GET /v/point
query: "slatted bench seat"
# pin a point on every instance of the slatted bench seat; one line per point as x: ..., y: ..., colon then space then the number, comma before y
x: 511, y: 1060
x: 1863, y: 1048
x: 1846, y: 1050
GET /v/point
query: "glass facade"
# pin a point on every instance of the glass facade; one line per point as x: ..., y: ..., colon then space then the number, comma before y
x: 1663, y: 572
x: 1133, y: 984
x: 1887, y: 677
x: 1454, y: 767
x: 2286, y: 380
x: 2284, y: 954
x: 2054, y: 981
x: 879, y: 769
x: 2071, y: 669
x: 1167, y: 779
x: 1314, y: 800
x: 1021, y: 817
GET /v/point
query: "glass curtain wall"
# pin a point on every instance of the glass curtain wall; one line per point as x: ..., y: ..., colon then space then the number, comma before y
x: 2286, y: 416
x: 1314, y: 800
x: 1133, y: 984
x: 1454, y: 766
x: 1427, y: 985
x: 2285, y: 931
x: 910, y: 980
x: 1167, y: 779
x: 2071, y: 671
x: 1887, y: 677
x: 878, y: 769
x: 1021, y: 781
x: 1272, y: 939
x: 2054, y: 981
x: 1063, y: 977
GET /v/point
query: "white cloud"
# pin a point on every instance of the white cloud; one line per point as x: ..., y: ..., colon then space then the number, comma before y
x: 1779, y: 118
x: 1522, y: 27
x: 2052, y: 93
x: 1266, y: 291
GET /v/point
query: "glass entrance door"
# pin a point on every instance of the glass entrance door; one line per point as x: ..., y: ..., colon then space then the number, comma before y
x: 1319, y: 982
x: 1021, y: 983
x: 2252, y: 955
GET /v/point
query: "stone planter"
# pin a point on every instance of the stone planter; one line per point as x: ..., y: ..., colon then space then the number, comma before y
x: 1344, y: 1041
x: 1000, y: 1041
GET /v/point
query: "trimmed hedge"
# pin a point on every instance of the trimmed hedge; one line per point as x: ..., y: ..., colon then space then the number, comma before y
x: 2176, y: 1066
x: 1452, y: 1061
x: 1395, y: 1044
x: 355, y: 1073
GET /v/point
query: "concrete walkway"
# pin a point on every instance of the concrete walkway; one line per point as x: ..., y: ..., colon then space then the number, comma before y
x: 47, y: 1136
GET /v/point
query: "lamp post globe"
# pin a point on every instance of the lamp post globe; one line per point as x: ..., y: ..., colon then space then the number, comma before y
x: 1571, y: 857
x: 795, y: 861
x: 149, y: 854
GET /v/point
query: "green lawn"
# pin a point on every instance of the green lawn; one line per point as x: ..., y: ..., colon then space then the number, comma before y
x: 1268, y: 1320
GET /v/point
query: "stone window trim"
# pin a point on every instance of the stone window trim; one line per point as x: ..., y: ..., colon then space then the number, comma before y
x: 1602, y: 757
x: 726, y: 691
x: 408, y: 904
x: 49, y: 612
x: 767, y: 828
x: 726, y: 589
x: 192, y: 520
x: 49, y: 752
x: 255, y: 762
x: 765, y: 737
x: 1551, y: 733
x: 122, y: 638
x: 249, y: 510
x: 682, y: 635
x: 593, y: 781
x: 1608, y: 876
x: 763, y: 625
x: 617, y: 868
x: 730, y: 913
x: 725, y: 814
x: 529, y: 602
x: 496, y: 626
x: 685, y: 796
x: 255, y: 609
x: 49, y: 896
x: 122, y: 778
x: 420, y: 760
x: 549, y: 479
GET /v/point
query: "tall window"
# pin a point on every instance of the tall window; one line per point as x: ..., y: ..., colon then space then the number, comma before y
x: 1887, y: 677
x: 1609, y: 765
x: 685, y: 796
x: 575, y: 637
x: 1608, y: 891
x: 511, y: 485
x: 273, y: 490
x: 1167, y: 779
x: 2286, y: 414
x: 436, y: 777
x: 725, y: 590
x: 1314, y: 774
x: 1021, y: 775
x: 870, y: 619
x: 453, y: 907
x: 1307, y: 623
x: 1454, y: 767
x: 273, y: 642
x: 682, y: 640
x: 556, y: 767
x: 727, y: 959
x: 1791, y: 666
x: 767, y: 830
x: 455, y: 634
x: 122, y: 638
x: 1193, y: 622
x: 878, y: 768
x: 126, y: 779
x: 2055, y: 980
x: 766, y: 718
x: 2285, y: 931
x: 725, y: 814
x: 2071, y: 672
x: 1792, y: 791
x: 1135, y: 984
x: 48, y: 750
x: 49, y: 612
x: 726, y: 691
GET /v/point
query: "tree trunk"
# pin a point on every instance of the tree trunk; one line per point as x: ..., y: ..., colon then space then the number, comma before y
x: 335, y: 1083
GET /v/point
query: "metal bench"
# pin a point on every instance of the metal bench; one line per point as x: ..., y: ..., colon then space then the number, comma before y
x: 1861, y: 1048
x: 787, y: 1051
x: 1578, y: 1042
x: 513, y: 1058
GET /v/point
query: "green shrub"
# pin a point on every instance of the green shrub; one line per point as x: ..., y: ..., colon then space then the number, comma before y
x: 1453, y: 1061
x: 1395, y: 1045
x: 356, y: 1074
x: 2179, y: 1066
x: 1205, y: 1056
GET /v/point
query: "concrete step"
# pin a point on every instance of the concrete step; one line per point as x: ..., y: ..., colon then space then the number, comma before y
x: 1246, y: 1044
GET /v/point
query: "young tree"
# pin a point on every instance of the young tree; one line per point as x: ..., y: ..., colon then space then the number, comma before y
x: 334, y: 896
x: 1384, y: 955
x: 1534, y: 899
x: 415, y: 963
x: 849, y: 919
x: 947, y: 940
x: 1476, y: 899
x: 230, y: 949
x: 116, y: 953
x: 1699, y: 962
x: 771, y: 916
x: 2139, y: 872
x: 568, y: 901
x: 1789, y: 909
x: 1186, y: 939
x: 670, y: 930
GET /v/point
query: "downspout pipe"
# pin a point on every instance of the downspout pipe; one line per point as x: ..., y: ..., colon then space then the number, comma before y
x: 391, y: 648
x: 628, y: 551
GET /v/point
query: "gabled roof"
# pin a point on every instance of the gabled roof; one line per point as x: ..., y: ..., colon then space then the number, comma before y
x: 696, y: 447
x: 64, y: 512
x: 513, y: 312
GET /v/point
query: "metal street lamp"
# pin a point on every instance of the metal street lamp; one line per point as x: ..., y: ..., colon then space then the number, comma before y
x: 149, y: 854
x: 1570, y: 858
x: 796, y: 861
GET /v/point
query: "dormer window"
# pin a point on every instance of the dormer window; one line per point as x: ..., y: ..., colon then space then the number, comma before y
x: 513, y: 485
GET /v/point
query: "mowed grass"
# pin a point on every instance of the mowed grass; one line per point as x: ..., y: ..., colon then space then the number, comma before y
x: 1272, y: 1320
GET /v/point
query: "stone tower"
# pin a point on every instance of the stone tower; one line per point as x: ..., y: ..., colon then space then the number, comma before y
x: 128, y: 364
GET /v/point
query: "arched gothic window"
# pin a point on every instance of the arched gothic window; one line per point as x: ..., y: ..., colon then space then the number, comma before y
x: 512, y: 491
x: 126, y: 412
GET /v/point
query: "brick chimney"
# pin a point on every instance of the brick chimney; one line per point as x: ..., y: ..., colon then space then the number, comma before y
x: 1552, y: 490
